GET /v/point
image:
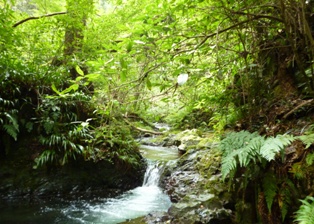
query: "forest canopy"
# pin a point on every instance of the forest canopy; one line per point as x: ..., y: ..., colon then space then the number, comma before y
x: 74, y: 73
x: 124, y: 57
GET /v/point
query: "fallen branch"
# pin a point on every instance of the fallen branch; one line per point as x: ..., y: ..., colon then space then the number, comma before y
x: 297, y: 107
x: 143, y: 130
x: 38, y: 17
x: 137, y: 117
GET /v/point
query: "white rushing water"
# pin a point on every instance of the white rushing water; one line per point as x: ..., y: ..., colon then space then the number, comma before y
x: 132, y: 204
x: 135, y: 203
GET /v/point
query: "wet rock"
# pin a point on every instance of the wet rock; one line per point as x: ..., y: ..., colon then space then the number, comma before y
x: 182, y: 149
x: 189, y: 139
x: 78, y: 179
x: 196, y: 190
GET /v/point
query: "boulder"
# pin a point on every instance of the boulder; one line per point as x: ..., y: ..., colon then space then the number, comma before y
x: 196, y: 190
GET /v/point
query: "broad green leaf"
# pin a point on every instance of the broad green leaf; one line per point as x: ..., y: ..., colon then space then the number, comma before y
x: 93, y: 77
x: 53, y: 87
x: 79, y: 70
x: 148, y: 84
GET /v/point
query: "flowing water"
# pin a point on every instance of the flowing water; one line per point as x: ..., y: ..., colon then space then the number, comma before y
x: 135, y: 203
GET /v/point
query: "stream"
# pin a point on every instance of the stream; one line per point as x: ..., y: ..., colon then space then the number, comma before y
x: 132, y: 204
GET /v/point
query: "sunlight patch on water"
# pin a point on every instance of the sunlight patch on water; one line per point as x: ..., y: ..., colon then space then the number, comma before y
x: 159, y: 153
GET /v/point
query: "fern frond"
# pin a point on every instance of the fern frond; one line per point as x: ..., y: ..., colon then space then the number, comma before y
x: 45, y: 157
x: 236, y: 140
x: 284, y: 201
x: 11, y: 125
x: 11, y: 130
x: 305, y: 214
x: 255, y: 145
x: 272, y: 146
x: 297, y: 170
x: 270, y: 189
x: 286, y: 194
x: 246, y: 154
x: 239, y: 148
x: 12, y: 120
x: 308, y: 140
x: 309, y: 159
x: 228, y: 163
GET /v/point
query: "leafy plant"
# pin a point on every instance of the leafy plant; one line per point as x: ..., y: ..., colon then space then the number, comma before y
x: 63, y: 134
x: 242, y: 148
x: 252, y: 153
x: 61, y: 147
x: 115, y: 143
x: 305, y: 214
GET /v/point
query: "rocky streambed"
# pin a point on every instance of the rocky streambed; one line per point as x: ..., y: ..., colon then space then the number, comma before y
x: 193, y: 182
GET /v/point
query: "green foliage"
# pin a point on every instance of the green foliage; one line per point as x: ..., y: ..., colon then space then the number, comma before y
x: 64, y: 146
x: 236, y: 140
x: 305, y: 214
x: 252, y: 153
x: 12, y: 128
x: 242, y: 148
x: 303, y: 169
x: 64, y: 135
x: 114, y: 142
x: 273, y: 145
x: 308, y: 140
x: 7, y: 36
x: 270, y: 189
x: 309, y: 159
x: 287, y: 193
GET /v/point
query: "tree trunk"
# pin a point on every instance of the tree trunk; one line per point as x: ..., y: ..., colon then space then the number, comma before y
x: 78, y: 12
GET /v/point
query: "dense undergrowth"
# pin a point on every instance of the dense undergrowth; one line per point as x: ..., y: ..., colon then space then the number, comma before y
x: 271, y: 174
x: 65, y: 125
x: 70, y: 80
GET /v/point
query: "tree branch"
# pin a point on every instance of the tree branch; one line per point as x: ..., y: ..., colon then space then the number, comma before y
x: 254, y: 17
x: 38, y: 17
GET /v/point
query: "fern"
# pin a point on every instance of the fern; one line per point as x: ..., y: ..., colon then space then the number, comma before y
x: 11, y: 126
x: 228, y: 163
x: 11, y: 130
x: 236, y: 140
x: 253, y: 152
x: 239, y: 148
x: 250, y: 147
x: 298, y: 170
x: 309, y: 159
x: 308, y: 140
x: 287, y: 191
x: 44, y: 158
x: 272, y: 146
x: 305, y: 214
x: 270, y: 189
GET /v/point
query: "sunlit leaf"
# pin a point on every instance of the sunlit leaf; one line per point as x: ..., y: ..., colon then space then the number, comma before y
x: 79, y: 70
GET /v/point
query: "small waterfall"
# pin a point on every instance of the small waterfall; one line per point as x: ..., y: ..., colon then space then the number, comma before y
x: 134, y: 203
x: 152, y: 174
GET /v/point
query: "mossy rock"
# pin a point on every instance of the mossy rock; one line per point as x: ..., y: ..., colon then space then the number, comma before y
x: 195, y: 187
